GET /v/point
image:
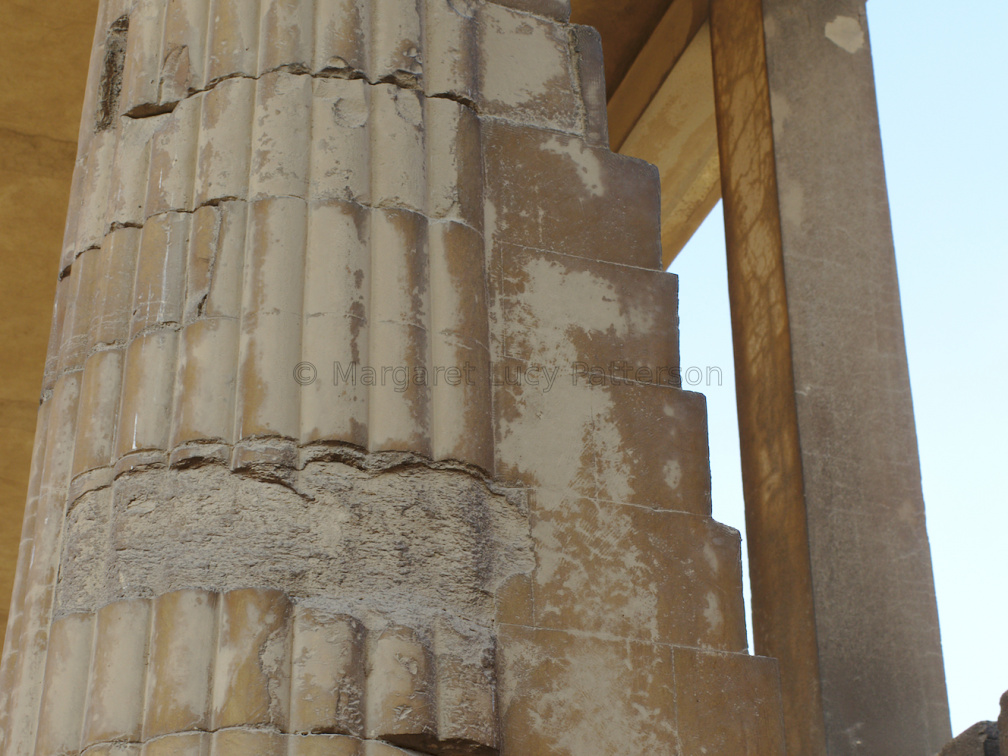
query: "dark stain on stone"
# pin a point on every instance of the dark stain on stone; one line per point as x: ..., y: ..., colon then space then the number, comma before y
x: 112, y: 73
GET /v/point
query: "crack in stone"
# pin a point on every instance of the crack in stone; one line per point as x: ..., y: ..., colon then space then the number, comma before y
x: 401, y: 79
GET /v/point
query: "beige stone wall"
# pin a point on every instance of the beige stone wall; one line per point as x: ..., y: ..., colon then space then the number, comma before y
x: 228, y: 547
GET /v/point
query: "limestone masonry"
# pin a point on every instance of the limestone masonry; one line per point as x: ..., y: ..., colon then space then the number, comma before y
x: 222, y: 555
x: 362, y: 428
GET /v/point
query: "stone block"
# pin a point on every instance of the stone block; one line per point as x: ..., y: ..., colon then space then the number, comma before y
x: 400, y: 702
x: 199, y: 262
x: 457, y: 279
x: 461, y: 399
x: 92, y: 222
x: 584, y: 317
x: 651, y: 447
x: 341, y: 140
x: 120, y: 251
x: 251, y: 679
x: 74, y: 205
x: 281, y: 136
x: 535, y: 179
x: 399, y: 404
x: 214, y: 287
x: 248, y: 743
x: 513, y: 601
x: 526, y: 70
x: 115, y: 749
x: 327, y: 675
x: 454, y: 163
x: 466, y: 710
x: 159, y: 286
x: 64, y: 291
x: 87, y: 274
x: 285, y: 35
x: 173, y: 159
x: 635, y: 444
x: 65, y: 687
x: 461, y: 403
x: 728, y: 704
x: 187, y: 744
x: 398, y: 149
x: 204, y: 382
x: 61, y: 432
x: 141, y: 68
x: 625, y: 571
x: 569, y: 694
x: 181, y: 662
x: 115, y: 709
x: 101, y: 394
x: 334, y: 339
x: 225, y: 139
x: 591, y: 75
x: 232, y: 40
x: 339, y: 45
x: 324, y: 745
x: 544, y: 428
x: 451, y: 56
x: 131, y: 170
x: 270, y: 343
x: 396, y: 40
x: 147, y: 387
x: 86, y: 545
x: 183, y: 49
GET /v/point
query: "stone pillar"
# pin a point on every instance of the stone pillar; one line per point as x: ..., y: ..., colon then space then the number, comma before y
x: 843, y: 593
x: 360, y: 428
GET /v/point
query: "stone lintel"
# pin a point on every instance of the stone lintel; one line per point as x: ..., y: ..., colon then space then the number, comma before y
x: 678, y: 133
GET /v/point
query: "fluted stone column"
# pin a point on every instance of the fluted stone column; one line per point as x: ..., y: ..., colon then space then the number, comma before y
x: 360, y: 429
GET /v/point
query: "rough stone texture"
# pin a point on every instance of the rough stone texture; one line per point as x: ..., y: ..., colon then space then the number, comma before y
x: 442, y: 563
x: 982, y: 739
x: 413, y: 541
x: 1003, y: 724
x: 843, y: 592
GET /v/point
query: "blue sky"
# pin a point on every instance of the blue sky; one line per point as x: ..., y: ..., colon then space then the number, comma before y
x: 942, y: 79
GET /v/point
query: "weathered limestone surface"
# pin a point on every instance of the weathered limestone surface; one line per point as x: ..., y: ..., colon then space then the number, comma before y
x: 361, y: 430
x: 982, y: 739
x: 1003, y: 723
x: 843, y: 592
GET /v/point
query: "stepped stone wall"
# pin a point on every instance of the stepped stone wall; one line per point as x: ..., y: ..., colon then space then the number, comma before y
x: 360, y: 429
